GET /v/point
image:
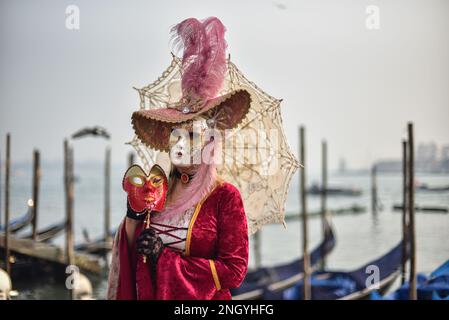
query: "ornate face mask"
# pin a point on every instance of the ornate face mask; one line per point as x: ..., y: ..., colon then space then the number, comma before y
x: 146, y: 191
x: 186, y: 143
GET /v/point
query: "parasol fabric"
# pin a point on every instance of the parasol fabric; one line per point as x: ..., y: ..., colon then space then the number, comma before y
x: 256, y: 156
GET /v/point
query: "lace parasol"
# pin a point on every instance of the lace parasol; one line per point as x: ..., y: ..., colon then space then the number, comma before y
x: 256, y: 156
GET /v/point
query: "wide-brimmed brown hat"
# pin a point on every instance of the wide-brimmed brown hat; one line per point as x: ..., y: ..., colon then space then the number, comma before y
x: 202, y: 74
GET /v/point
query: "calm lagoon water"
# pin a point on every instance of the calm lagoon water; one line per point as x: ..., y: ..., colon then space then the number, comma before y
x: 360, y: 237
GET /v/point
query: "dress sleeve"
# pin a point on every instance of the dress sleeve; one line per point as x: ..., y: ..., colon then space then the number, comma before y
x: 122, y: 273
x: 186, y: 277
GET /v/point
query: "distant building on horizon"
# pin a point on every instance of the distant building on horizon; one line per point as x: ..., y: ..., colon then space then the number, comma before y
x: 428, y: 159
x: 342, y: 167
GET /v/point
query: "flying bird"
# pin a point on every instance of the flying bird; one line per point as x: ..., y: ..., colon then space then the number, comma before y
x: 280, y: 6
x: 94, y: 131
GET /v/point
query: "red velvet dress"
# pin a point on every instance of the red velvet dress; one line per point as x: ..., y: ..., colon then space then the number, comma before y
x: 215, y: 257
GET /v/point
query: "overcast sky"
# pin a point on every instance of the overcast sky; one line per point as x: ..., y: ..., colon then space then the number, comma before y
x: 353, y: 86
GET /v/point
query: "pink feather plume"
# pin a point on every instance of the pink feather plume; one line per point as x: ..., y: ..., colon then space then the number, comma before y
x: 204, y: 56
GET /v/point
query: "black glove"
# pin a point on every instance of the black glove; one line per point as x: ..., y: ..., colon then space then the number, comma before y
x: 150, y: 244
x: 130, y: 213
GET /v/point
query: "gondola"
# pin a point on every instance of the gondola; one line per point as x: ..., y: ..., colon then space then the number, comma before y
x: 282, y: 276
x: 98, y: 247
x: 21, y: 222
x: 37, y: 259
x: 344, y: 285
x: 426, y: 187
x: 433, y: 287
x: 317, y: 190
x: 48, y: 233
x: 424, y: 209
x: 354, y: 209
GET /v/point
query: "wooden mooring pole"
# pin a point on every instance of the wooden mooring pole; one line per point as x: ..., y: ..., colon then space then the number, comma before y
x: 107, y: 195
x: 130, y: 159
x: 36, y: 182
x: 257, y: 249
x: 374, y: 204
x: 411, y: 208
x: 7, y: 186
x: 68, y: 186
x: 306, y: 262
x: 404, y: 212
x: 323, y: 198
x: 1, y: 168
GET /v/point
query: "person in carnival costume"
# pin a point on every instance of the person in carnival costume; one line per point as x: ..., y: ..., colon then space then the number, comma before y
x: 196, y: 245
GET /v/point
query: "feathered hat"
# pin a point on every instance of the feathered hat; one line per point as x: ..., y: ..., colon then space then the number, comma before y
x: 203, y: 71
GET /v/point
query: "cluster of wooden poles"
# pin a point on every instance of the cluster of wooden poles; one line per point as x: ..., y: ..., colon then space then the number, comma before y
x: 408, y: 207
x: 303, y: 200
x: 408, y: 223
x: 323, y: 200
x: 70, y: 256
x: 408, y: 201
